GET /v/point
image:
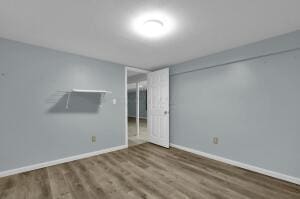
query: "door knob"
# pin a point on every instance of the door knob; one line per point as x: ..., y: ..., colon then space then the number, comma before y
x: 166, y: 112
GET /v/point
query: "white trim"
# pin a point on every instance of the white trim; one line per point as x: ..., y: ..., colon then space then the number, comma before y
x: 89, y: 91
x: 137, y: 111
x: 59, y: 161
x: 126, y: 109
x: 241, y: 165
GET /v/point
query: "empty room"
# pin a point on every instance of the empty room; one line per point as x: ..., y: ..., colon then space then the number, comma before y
x: 149, y: 99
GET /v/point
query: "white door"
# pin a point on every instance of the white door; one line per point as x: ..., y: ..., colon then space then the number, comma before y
x: 158, y: 107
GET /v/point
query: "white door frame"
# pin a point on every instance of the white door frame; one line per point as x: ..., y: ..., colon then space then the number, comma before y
x: 126, y: 100
x: 137, y: 109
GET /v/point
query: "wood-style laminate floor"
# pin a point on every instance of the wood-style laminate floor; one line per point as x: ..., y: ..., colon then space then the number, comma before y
x: 145, y: 171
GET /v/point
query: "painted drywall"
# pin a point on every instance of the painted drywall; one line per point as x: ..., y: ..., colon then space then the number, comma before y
x: 248, y: 97
x: 132, y: 104
x: 35, y: 125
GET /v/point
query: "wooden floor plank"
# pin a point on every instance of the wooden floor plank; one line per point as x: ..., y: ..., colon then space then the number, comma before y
x: 145, y: 171
x: 59, y: 186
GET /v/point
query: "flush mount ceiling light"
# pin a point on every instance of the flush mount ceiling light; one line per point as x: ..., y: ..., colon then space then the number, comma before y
x: 153, y: 25
x: 153, y: 28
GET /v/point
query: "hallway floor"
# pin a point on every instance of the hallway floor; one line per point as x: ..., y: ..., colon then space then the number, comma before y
x: 133, y: 139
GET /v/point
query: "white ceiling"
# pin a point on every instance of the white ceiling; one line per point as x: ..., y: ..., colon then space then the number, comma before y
x: 102, y: 28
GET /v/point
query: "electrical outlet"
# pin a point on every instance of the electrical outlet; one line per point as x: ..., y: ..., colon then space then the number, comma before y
x: 93, y: 138
x: 114, y: 101
x: 216, y: 140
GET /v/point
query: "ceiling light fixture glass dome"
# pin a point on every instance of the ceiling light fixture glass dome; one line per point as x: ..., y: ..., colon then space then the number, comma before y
x: 153, y: 25
x: 153, y: 28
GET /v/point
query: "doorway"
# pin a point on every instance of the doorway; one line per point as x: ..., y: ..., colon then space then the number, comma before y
x: 137, y: 106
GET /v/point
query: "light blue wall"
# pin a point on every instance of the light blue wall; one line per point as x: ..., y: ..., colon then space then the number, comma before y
x: 35, y: 127
x: 132, y: 104
x: 249, y: 97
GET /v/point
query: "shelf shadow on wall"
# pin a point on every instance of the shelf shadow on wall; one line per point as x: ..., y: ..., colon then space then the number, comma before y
x: 78, y: 103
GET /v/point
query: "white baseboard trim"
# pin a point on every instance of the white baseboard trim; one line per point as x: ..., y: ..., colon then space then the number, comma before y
x: 241, y: 165
x: 59, y: 161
